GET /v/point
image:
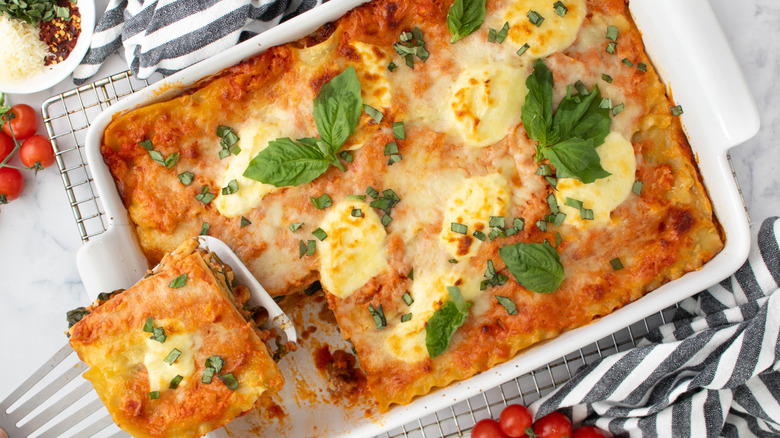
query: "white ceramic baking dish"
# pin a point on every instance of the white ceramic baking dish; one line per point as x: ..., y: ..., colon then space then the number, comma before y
x: 690, y: 52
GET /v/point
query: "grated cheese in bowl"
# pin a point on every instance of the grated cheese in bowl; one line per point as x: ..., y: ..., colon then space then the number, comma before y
x: 22, y: 52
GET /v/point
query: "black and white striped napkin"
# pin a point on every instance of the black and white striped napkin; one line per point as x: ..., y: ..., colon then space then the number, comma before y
x: 166, y: 36
x: 713, y: 371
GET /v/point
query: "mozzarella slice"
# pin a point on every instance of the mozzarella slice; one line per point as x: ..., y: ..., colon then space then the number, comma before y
x: 605, y: 194
x: 354, y: 250
x: 555, y: 33
x: 472, y: 204
x: 161, y: 373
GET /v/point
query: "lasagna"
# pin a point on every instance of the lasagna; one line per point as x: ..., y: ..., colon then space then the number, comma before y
x: 463, y: 182
x: 173, y: 356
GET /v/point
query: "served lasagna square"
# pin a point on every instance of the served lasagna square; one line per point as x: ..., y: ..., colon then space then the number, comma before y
x: 173, y: 356
x: 464, y: 179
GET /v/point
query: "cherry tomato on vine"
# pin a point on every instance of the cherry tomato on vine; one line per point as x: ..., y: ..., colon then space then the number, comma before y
x: 514, y: 420
x: 36, y: 149
x: 588, y: 432
x: 11, y: 184
x: 24, y: 124
x: 553, y: 425
x: 487, y: 428
x: 6, y: 145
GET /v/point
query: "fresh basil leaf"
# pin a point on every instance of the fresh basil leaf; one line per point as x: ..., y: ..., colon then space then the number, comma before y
x: 582, y: 117
x: 337, y: 108
x: 464, y: 17
x: 575, y: 158
x: 537, y: 111
x: 536, y: 266
x: 509, y: 305
x: 178, y: 282
x: 442, y: 325
x: 286, y: 163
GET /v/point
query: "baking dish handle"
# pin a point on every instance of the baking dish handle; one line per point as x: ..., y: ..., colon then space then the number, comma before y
x: 110, y: 261
x: 692, y: 54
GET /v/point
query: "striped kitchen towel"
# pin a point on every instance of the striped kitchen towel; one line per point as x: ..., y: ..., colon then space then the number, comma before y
x: 166, y: 36
x: 713, y: 371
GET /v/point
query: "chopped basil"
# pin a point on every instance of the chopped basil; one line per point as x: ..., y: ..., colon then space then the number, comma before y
x: 406, y: 317
x: 453, y: 261
x: 386, y: 219
x: 361, y: 198
x: 149, y: 325
x: 229, y: 142
x: 500, y: 35
x: 76, y: 315
x: 552, y: 181
x: 459, y: 228
x: 637, y: 188
x: 574, y: 203
x: 559, y: 218
x: 399, y: 131
x: 496, y: 221
x: 581, y: 88
x: 411, y: 274
x: 543, y: 170
x: 677, y: 110
x: 295, y: 226
x: 445, y: 321
x: 552, y: 203
x: 204, y: 229
x: 204, y: 196
x: 320, y: 234
x: 411, y: 45
x: 642, y: 66
x: 245, y: 222
x: 172, y: 356
x: 606, y: 103
x: 229, y: 381
x: 373, y: 113
x: 306, y: 248
x: 518, y: 224
x: 392, y: 67
x: 535, y: 18
x: 407, y: 297
x: 379, y: 316
x: 523, y: 49
x: 215, y: 362
x: 154, y: 395
x: 612, y: 33
x: 356, y: 212
x: 558, y: 238
x: 617, y: 109
x: 509, y: 305
x: 495, y: 233
x: 322, y: 202
x: 491, y: 35
x: 158, y: 334
x: 536, y: 266
x: 208, y: 375
x: 231, y: 188
x: 493, y: 278
x: 370, y: 191
x: 175, y: 382
x: 146, y: 144
x: 391, y: 148
x: 186, y: 178
x: 464, y: 17
x: 178, y: 282
x: 627, y: 62
x: 479, y: 235
x: 394, y: 159
x: 586, y: 214
x: 157, y: 157
x: 616, y: 264
x: 612, y: 47
x: 542, y: 225
x: 511, y: 231
x: 607, y: 78
x: 560, y: 8
x: 346, y: 156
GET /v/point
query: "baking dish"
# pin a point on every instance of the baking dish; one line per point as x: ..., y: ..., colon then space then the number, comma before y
x: 687, y: 48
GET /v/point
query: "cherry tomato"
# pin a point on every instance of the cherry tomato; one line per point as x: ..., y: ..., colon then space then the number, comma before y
x: 6, y: 145
x: 36, y: 149
x: 11, y: 184
x: 514, y: 420
x: 24, y: 124
x: 487, y: 428
x: 588, y: 432
x: 553, y: 425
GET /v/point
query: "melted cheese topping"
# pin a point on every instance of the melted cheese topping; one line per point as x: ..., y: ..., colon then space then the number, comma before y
x: 161, y: 373
x: 605, y: 194
x: 253, y: 139
x: 406, y: 341
x: 372, y: 72
x: 485, y: 102
x: 554, y: 34
x: 472, y: 204
x: 354, y: 251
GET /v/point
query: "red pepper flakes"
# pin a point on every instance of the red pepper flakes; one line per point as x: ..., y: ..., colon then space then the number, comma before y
x: 61, y: 34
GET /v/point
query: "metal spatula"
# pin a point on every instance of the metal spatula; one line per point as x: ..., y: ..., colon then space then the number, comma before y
x: 56, y: 402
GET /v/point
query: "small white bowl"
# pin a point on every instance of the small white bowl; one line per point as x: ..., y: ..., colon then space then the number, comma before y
x: 53, y: 74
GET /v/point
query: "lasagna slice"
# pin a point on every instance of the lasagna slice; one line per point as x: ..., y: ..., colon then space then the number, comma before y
x: 174, y: 355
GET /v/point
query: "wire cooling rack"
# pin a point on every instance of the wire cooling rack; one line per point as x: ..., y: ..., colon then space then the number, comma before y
x: 67, y: 117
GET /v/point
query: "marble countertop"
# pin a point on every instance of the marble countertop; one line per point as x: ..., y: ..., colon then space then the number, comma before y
x: 39, y: 239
